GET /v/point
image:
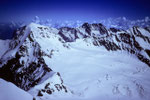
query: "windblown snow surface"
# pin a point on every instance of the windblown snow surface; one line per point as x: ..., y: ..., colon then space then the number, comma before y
x: 9, y: 91
x: 92, y: 73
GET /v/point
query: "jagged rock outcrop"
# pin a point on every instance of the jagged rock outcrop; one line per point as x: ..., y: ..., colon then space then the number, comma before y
x: 23, y: 63
x: 54, y: 84
x: 70, y: 34
x: 135, y: 40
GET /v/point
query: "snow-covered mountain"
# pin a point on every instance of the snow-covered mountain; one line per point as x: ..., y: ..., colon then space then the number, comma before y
x: 23, y: 62
x: 87, y: 62
x: 7, y: 28
x: 135, y: 40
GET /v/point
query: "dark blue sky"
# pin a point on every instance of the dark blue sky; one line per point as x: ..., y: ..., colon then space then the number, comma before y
x: 85, y: 10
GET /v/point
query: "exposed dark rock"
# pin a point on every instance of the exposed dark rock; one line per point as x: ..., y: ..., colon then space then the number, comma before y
x: 64, y: 88
x: 34, y: 99
x: 114, y: 30
x: 87, y: 28
x: 27, y: 77
x: 24, y: 74
x: 49, y: 91
x: 46, y: 86
x: 30, y: 37
x: 148, y: 52
x: 68, y: 34
x: 40, y: 93
x: 102, y: 29
x: 148, y: 29
x: 125, y: 38
x: 43, y: 90
x: 117, y: 38
x: 51, y: 87
x: 125, y: 41
x: 143, y: 59
x: 107, y: 44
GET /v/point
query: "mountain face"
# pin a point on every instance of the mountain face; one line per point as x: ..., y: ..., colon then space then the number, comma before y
x: 23, y: 63
x: 136, y: 40
x: 130, y: 41
x: 26, y: 61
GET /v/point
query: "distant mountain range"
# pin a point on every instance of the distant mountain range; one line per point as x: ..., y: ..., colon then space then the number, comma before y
x: 7, y: 29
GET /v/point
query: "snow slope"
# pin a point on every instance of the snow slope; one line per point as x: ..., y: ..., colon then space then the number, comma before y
x: 9, y: 91
x: 92, y: 73
x: 4, y: 46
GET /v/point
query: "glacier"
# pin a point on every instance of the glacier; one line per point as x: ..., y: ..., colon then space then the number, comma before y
x: 87, y: 62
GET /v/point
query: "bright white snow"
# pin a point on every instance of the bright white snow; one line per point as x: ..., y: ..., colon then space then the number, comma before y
x: 9, y: 91
x: 92, y: 73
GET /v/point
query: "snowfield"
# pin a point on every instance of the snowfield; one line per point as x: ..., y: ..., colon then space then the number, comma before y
x: 92, y: 73
x: 9, y: 91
